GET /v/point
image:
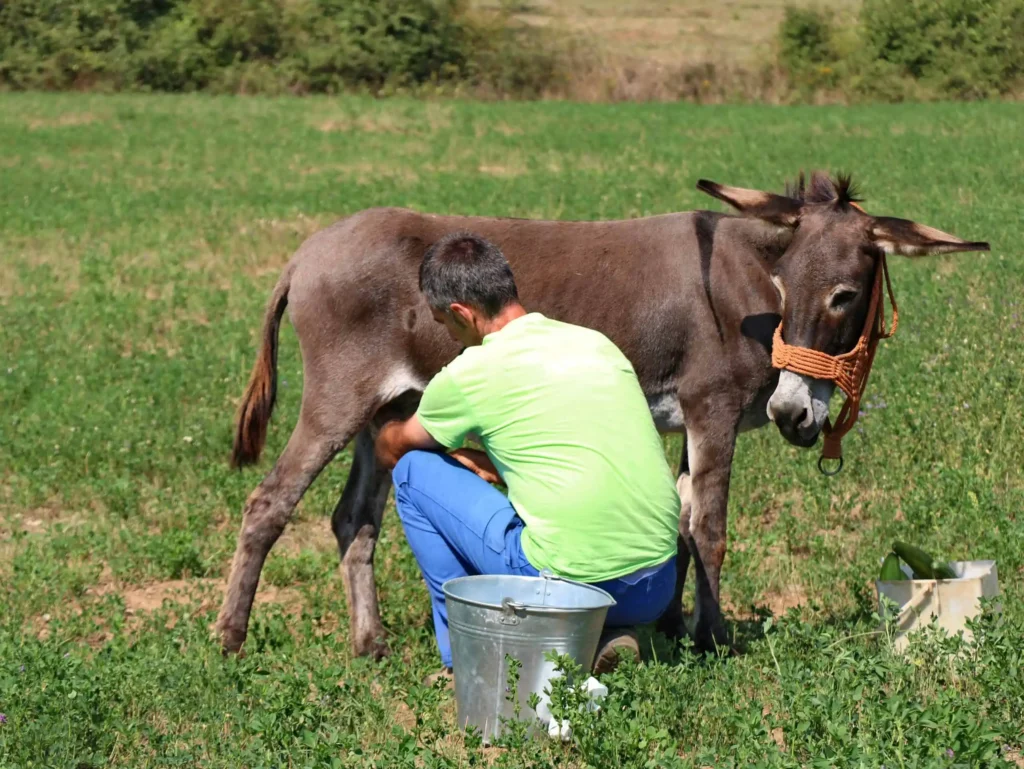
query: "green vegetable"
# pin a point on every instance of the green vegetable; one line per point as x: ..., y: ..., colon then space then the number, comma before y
x: 923, y: 565
x: 891, y: 571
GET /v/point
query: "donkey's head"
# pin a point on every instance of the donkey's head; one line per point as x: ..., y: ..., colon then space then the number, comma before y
x: 825, y: 278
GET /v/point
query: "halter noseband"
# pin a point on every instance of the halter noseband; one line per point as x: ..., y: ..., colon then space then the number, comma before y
x: 849, y: 371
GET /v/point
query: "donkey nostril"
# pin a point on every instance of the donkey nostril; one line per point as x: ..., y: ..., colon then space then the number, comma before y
x: 802, y: 418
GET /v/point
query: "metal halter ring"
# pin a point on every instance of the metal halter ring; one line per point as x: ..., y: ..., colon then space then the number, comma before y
x: 829, y: 473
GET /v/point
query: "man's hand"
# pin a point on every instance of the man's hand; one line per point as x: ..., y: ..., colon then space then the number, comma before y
x: 398, y: 438
x: 478, y: 462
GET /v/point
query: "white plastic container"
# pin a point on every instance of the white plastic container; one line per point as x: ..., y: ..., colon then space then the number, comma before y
x: 951, y: 601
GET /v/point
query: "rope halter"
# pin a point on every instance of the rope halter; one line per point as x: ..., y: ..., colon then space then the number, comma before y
x: 849, y: 371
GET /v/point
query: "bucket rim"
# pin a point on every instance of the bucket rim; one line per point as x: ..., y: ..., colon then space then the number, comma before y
x: 530, y: 607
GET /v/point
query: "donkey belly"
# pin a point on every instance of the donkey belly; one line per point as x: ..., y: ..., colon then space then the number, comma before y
x: 666, y: 411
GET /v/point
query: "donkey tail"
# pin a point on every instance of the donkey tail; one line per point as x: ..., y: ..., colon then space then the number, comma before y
x: 261, y: 392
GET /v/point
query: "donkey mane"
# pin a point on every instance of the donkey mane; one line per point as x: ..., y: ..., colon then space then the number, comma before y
x: 824, y: 189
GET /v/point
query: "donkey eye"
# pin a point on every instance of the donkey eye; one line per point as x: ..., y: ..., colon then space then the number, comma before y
x: 841, y: 298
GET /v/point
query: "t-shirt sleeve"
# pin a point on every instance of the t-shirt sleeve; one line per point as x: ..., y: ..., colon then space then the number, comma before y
x: 444, y: 411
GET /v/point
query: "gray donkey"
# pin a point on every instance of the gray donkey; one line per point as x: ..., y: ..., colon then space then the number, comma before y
x: 692, y: 299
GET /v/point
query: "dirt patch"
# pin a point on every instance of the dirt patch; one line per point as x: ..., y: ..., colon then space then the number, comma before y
x: 208, y: 592
x: 404, y: 716
x: 781, y: 601
x: 778, y: 602
x: 307, y: 534
x: 52, y: 512
x: 62, y: 121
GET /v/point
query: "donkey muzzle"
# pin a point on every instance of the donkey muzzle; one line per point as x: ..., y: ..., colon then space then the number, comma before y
x: 799, y: 407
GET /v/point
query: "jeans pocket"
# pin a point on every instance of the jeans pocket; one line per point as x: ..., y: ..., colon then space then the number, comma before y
x: 494, y: 530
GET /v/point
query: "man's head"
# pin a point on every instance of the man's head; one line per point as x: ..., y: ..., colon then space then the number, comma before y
x: 469, y: 286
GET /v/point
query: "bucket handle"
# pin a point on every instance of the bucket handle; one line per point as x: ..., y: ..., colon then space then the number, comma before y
x: 509, y: 609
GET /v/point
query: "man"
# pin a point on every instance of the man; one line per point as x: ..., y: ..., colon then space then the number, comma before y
x: 565, y: 426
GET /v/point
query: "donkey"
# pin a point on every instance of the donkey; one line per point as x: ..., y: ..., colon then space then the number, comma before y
x: 692, y: 299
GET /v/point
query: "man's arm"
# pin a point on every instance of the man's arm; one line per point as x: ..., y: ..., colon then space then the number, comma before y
x: 397, y: 438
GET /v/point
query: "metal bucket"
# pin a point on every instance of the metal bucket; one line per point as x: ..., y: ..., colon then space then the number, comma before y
x: 490, y: 616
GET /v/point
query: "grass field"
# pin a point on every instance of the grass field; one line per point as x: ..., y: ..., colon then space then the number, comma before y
x: 139, y: 240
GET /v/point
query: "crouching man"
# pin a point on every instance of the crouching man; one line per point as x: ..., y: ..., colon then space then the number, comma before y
x: 565, y: 427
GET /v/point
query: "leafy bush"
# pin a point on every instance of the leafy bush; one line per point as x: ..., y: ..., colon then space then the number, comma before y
x: 908, y: 49
x: 805, y: 37
x: 306, y: 45
x: 375, y: 42
x: 962, y: 49
x: 55, y: 44
x: 806, y: 49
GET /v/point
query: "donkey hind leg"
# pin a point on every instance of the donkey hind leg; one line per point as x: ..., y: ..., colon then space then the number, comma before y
x: 672, y: 622
x: 711, y: 454
x: 356, y: 523
x: 266, y: 513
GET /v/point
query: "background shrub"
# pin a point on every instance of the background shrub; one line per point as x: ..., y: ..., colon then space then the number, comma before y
x: 959, y: 49
x: 907, y: 49
x: 893, y: 50
x: 176, y: 45
x: 807, y: 52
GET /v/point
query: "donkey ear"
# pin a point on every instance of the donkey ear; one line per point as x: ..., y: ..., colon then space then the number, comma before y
x: 776, y: 209
x: 907, y: 238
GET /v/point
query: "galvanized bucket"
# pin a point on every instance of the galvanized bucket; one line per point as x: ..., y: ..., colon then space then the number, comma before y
x: 491, y: 616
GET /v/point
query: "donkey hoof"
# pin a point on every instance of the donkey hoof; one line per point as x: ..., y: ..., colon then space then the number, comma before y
x: 672, y: 626
x: 372, y: 646
x: 231, y: 641
x: 711, y: 640
x: 379, y: 650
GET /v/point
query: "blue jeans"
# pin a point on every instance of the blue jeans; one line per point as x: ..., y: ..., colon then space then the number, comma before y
x: 458, y: 524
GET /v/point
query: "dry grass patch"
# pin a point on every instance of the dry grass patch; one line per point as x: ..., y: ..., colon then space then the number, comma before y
x: 23, y: 256
x: 263, y: 247
x: 68, y: 119
x: 377, y: 123
x: 666, y: 31
x: 365, y: 172
x: 500, y: 170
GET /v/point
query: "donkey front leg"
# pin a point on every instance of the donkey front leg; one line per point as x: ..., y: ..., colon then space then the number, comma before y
x: 710, y: 453
x: 356, y: 523
x: 671, y: 622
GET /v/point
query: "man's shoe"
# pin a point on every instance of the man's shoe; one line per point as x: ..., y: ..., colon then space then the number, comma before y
x: 445, y: 674
x: 611, y: 646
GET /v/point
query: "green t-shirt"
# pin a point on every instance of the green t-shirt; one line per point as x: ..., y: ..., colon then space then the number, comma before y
x: 561, y: 414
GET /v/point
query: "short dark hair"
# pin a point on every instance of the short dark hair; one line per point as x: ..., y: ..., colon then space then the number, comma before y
x: 464, y: 268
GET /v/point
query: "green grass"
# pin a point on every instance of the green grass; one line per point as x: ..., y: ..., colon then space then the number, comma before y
x: 140, y: 238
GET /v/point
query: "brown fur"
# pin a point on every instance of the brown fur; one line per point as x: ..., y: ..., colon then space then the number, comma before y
x: 687, y: 297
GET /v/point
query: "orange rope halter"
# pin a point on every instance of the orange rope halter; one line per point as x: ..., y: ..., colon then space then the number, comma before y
x: 849, y: 371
